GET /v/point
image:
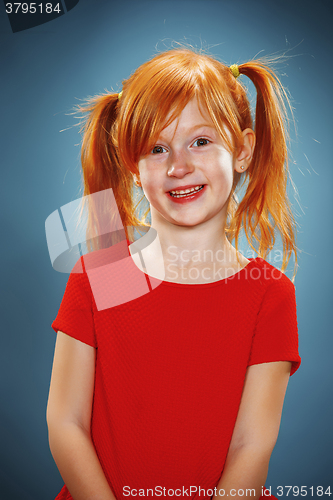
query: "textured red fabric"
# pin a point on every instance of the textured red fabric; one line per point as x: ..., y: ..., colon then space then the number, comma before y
x: 170, y: 369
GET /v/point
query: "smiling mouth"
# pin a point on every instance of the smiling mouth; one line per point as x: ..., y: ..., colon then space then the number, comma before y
x: 185, y: 192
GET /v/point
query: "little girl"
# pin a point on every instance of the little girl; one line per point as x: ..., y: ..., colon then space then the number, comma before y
x: 177, y: 389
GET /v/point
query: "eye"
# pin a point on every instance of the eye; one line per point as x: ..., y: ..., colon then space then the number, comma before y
x: 158, y: 150
x: 201, y: 142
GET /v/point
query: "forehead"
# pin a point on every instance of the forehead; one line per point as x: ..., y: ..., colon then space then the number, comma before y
x: 193, y: 116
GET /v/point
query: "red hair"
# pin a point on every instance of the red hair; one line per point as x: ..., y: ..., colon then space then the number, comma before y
x: 117, y: 132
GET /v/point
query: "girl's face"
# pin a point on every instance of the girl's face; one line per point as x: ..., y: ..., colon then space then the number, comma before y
x: 189, y: 155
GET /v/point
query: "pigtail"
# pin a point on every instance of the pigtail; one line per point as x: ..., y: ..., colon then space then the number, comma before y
x: 101, y: 170
x: 265, y: 204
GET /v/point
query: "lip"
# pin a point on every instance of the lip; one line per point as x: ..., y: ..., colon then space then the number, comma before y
x: 190, y: 198
x: 180, y: 188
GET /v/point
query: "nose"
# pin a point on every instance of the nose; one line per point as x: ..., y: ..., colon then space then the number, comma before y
x: 180, y: 164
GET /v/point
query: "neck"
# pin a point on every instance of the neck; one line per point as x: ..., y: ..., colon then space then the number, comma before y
x: 194, y: 245
x: 187, y: 254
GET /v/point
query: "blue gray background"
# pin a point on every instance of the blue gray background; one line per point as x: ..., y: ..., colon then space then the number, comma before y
x: 46, y: 71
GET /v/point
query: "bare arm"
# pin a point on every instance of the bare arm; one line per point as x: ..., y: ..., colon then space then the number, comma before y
x: 256, y: 429
x: 68, y: 419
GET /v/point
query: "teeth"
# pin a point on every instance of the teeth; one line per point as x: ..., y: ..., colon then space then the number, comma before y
x: 182, y: 193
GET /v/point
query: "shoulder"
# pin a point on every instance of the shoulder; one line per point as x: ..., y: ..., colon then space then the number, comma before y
x: 272, y: 287
x: 278, y: 294
x: 105, y: 256
x: 78, y: 291
x: 272, y: 277
x: 92, y: 262
x: 110, y: 277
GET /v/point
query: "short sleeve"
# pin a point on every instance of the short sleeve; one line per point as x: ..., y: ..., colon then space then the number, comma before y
x: 75, y: 316
x: 276, y: 333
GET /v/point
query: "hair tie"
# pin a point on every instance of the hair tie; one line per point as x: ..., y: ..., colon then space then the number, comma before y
x: 119, y: 95
x: 234, y: 70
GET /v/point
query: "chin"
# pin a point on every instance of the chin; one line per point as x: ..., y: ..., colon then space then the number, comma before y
x: 188, y: 222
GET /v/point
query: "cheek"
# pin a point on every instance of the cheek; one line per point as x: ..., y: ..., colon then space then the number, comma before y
x: 148, y: 180
x: 224, y: 170
x: 142, y: 167
x: 148, y: 192
x: 150, y: 173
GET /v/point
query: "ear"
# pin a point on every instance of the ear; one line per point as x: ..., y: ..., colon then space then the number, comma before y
x: 245, y: 152
x: 136, y: 180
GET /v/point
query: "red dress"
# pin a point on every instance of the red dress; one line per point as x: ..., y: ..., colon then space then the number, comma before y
x: 170, y: 369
